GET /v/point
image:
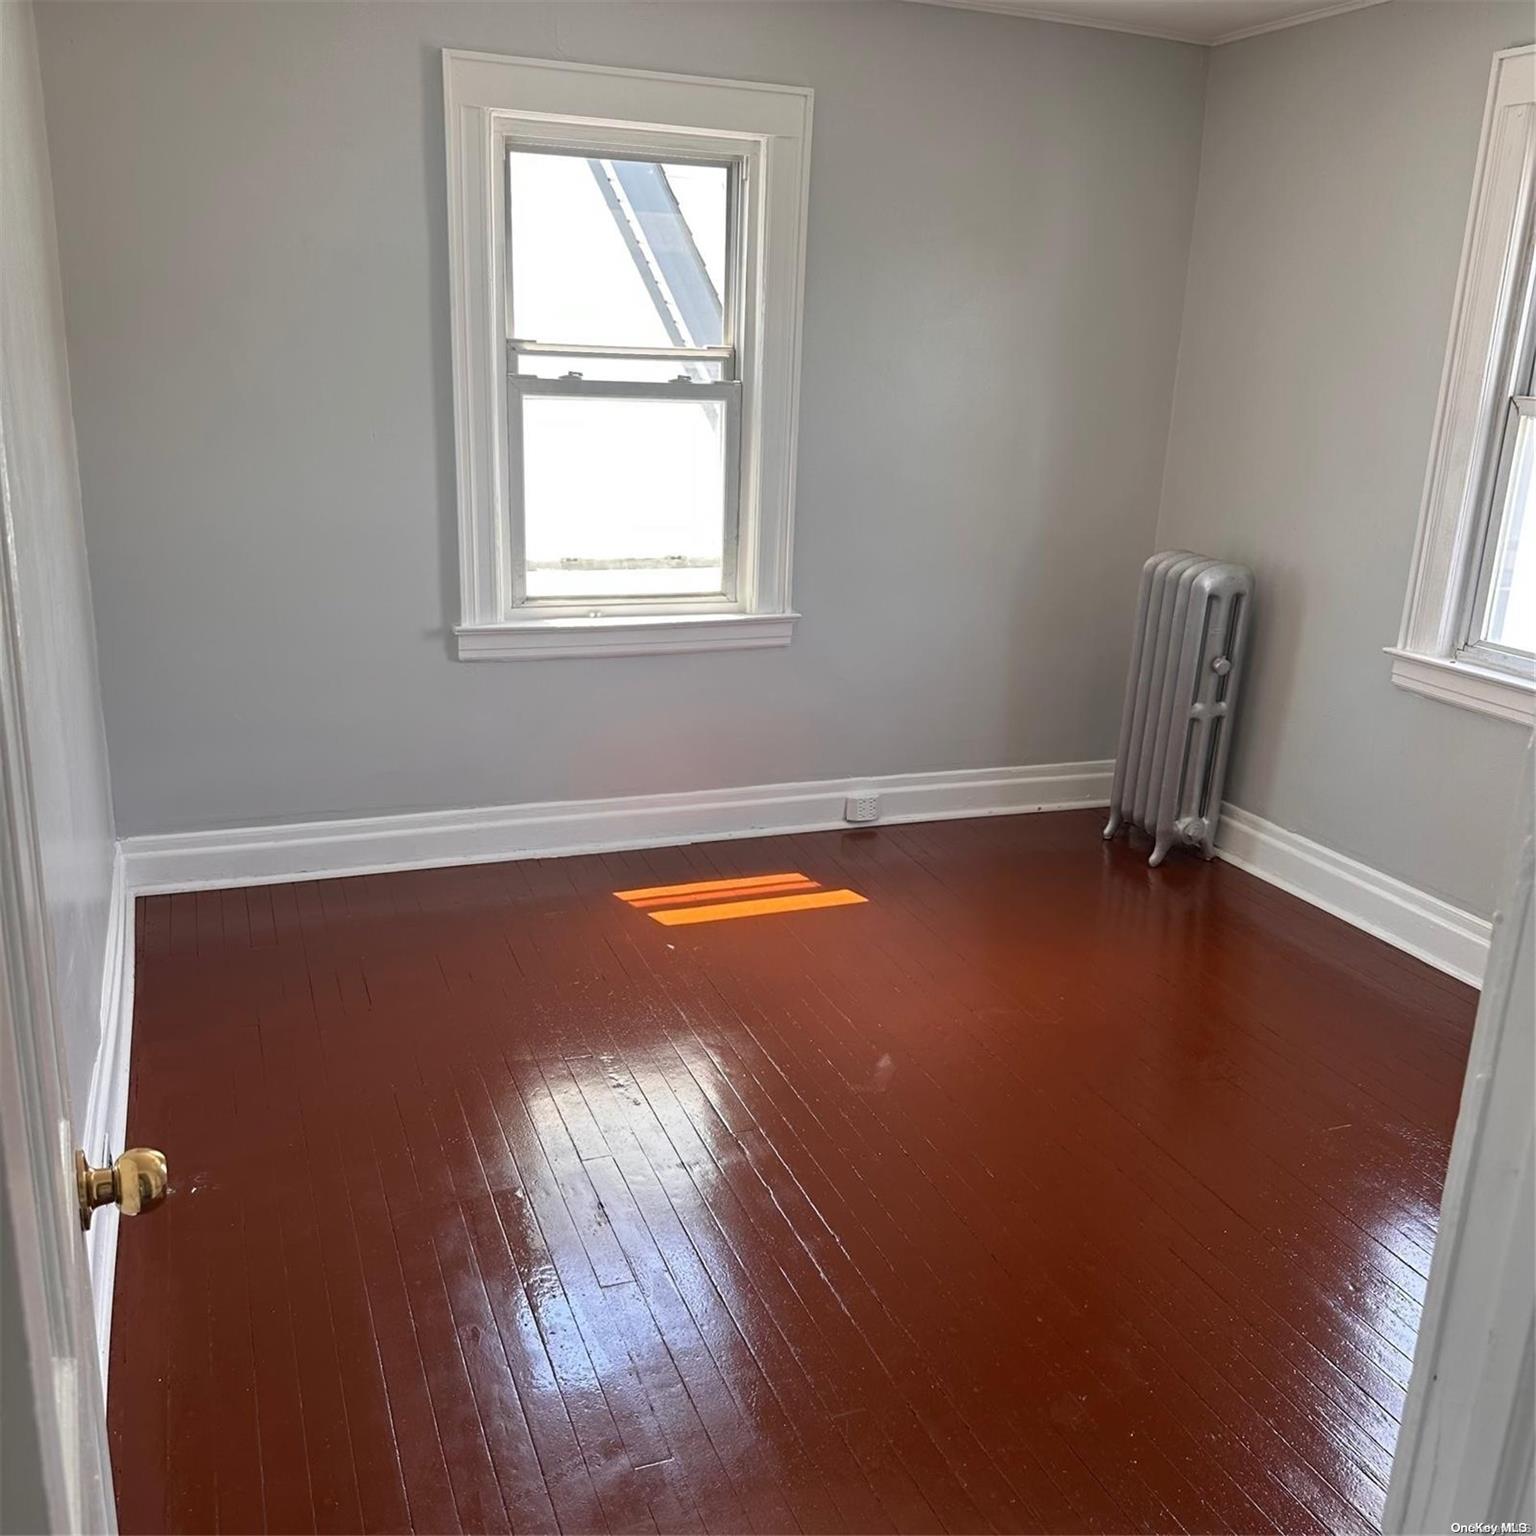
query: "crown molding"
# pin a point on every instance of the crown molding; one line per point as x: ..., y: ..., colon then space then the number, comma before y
x: 1044, y: 13
x: 1321, y: 13
x: 1067, y: 18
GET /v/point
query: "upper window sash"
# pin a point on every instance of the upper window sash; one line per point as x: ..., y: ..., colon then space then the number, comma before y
x: 646, y: 147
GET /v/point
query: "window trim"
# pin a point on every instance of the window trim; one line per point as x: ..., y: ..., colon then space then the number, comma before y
x: 491, y: 100
x: 1436, y: 654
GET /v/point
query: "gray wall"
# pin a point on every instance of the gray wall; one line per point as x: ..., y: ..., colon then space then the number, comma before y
x: 58, y: 645
x: 1334, y: 184
x: 251, y: 213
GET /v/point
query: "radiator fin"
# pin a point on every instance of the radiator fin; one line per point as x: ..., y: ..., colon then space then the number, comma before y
x: 1187, y: 652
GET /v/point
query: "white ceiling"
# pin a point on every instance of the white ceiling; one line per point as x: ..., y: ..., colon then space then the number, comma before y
x: 1186, y: 21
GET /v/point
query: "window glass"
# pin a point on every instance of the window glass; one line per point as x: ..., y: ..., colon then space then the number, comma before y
x: 1512, y: 588
x: 616, y: 252
x: 623, y: 497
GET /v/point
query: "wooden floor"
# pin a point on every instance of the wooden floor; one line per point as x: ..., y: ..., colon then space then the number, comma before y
x: 1039, y: 1192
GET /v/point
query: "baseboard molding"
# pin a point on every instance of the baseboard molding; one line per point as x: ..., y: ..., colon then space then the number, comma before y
x: 106, y: 1105
x: 1435, y: 931
x: 374, y: 844
x: 1448, y: 938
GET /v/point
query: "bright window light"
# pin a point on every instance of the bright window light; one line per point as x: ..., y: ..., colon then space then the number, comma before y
x: 623, y: 497
x: 1511, y: 598
x: 616, y: 252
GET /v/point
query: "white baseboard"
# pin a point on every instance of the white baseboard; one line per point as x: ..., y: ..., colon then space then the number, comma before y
x: 187, y: 861
x: 1448, y: 938
x: 106, y: 1106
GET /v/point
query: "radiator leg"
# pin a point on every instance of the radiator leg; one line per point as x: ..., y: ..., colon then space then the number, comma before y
x: 1200, y: 833
x: 1116, y: 821
x: 1160, y: 852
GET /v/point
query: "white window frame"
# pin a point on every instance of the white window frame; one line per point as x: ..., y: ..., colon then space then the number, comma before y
x: 734, y: 357
x: 1439, y: 652
x: 764, y: 132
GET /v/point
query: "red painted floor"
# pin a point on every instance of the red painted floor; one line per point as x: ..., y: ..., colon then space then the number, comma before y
x: 1037, y: 1192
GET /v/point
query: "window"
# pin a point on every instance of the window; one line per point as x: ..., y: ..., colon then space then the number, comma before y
x: 627, y: 257
x: 1469, y: 627
x: 626, y: 402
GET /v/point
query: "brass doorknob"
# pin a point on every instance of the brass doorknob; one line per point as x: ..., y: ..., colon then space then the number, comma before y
x: 136, y: 1182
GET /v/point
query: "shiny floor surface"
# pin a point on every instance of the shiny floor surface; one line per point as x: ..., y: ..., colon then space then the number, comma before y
x: 1037, y: 1192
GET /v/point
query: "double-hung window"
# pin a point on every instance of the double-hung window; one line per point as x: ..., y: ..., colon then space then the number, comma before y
x: 625, y: 406
x: 1469, y: 626
x: 627, y: 256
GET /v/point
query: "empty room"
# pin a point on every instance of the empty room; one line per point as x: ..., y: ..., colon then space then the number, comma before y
x: 767, y: 766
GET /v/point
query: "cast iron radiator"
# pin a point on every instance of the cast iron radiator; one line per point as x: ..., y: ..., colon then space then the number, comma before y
x: 1176, y: 728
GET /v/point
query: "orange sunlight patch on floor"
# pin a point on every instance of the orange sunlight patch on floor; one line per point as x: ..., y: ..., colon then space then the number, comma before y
x: 728, y: 892
x: 761, y: 907
x: 703, y: 887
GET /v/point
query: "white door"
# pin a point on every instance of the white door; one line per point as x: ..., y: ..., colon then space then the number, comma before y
x: 1467, y: 1450
x: 61, y: 1472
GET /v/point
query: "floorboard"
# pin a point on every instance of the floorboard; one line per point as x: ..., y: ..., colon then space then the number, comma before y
x: 1036, y: 1191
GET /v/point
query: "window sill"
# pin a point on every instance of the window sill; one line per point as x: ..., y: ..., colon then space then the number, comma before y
x: 1456, y: 682
x: 534, y: 639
